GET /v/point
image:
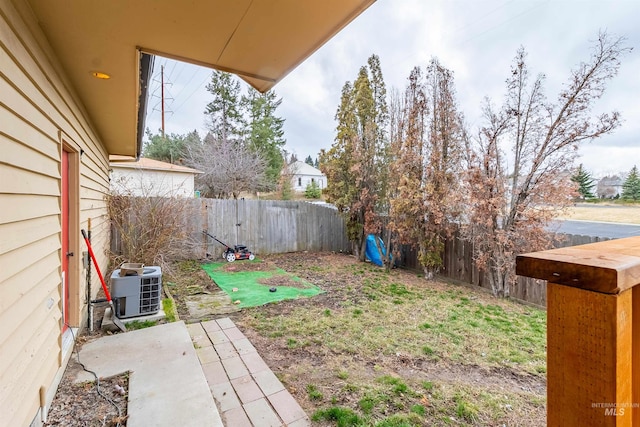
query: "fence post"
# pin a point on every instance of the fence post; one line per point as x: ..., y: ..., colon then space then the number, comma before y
x: 593, y: 337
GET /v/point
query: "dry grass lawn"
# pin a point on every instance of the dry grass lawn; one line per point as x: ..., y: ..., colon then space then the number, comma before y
x: 606, y: 213
x: 392, y: 349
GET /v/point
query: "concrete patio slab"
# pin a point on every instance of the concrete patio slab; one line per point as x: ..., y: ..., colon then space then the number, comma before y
x: 226, y: 323
x: 286, y: 406
x: 235, y: 368
x: 225, y: 396
x: 261, y: 414
x: 237, y: 418
x: 225, y: 350
x: 205, y: 305
x: 167, y: 386
x: 246, y: 389
x: 207, y: 355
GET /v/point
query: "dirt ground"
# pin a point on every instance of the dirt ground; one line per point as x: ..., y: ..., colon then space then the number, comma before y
x: 84, y: 404
x: 297, y: 367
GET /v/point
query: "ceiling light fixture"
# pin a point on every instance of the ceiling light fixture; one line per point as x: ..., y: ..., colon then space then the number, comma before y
x: 100, y: 75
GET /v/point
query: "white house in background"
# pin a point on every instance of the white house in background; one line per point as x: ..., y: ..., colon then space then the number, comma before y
x: 151, y: 178
x: 609, y: 187
x: 304, y: 174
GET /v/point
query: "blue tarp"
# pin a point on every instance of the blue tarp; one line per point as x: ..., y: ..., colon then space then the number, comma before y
x: 371, y: 250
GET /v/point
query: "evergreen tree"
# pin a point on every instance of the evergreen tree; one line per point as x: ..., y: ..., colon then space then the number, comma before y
x: 381, y: 142
x: 631, y: 185
x: 312, y: 191
x: 223, y: 112
x: 354, y: 165
x: 309, y: 160
x: 263, y: 130
x: 169, y: 148
x: 585, y: 183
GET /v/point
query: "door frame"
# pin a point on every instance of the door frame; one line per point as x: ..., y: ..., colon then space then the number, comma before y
x: 72, y: 276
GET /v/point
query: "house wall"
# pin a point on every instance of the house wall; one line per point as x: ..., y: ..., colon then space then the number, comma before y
x: 39, y: 115
x: 300, y: 182
x: 151, y: 183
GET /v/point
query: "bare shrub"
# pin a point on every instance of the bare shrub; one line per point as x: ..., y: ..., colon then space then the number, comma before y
x: 151, y: 230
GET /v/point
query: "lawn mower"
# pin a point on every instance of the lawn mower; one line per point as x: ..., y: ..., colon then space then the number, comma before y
x: 237, y: 253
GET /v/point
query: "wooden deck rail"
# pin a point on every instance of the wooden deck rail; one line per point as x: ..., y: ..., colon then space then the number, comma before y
x: 593, y: 331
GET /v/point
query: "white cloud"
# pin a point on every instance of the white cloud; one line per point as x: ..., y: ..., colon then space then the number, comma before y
x: 602, y: 160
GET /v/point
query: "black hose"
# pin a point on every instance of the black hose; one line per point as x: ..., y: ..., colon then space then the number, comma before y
x: 97, y: 380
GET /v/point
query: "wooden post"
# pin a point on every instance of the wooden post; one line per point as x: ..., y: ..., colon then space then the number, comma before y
x: 593, y: 348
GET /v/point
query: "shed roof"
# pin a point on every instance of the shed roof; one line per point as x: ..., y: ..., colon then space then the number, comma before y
x: 149, y: 164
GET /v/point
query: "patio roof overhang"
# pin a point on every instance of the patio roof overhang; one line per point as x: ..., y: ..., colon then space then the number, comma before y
x: 259, y: 40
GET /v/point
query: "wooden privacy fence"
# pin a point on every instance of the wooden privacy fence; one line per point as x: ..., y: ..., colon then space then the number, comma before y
x: 276, y: 226
x: 458, y: 265
x: 264, y: 226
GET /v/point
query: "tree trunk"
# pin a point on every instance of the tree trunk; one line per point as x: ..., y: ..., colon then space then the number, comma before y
x: 388, y: 258
x: 428, y: 273
x: 363, y: 247
x: 499, y: 281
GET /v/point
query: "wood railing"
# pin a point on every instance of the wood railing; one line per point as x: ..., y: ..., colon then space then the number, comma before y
x: 593, y: 331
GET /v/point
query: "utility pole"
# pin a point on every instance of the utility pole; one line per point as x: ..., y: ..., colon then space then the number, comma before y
x: 162, y: 100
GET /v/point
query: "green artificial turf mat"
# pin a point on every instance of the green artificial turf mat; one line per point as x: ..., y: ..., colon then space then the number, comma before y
x: 250, y: 292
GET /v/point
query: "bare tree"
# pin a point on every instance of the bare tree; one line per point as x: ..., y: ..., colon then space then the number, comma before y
x: 510, y: 208
x: 229, y: 168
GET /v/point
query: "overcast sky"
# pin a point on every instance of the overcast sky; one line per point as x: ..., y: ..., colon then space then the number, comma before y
x: 477, y: 40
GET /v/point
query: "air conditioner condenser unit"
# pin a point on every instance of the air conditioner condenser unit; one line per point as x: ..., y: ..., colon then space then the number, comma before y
x: 137, y: 295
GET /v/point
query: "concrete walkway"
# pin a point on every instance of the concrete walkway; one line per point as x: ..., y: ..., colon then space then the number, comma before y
x: 243, y: 386
x: 167, y: 386
x: 177, y: 370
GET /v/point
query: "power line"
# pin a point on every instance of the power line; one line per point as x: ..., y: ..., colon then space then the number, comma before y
x: 504, y: 22
x: 172, y: 68
x: 192, y: 93
x: 183, y: 66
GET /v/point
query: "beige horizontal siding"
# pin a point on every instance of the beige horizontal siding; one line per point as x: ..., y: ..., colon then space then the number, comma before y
x: 15, y: 153
x: 21, y: 181
x: 24, y: 257
x: 16, y: 344
x: 23, y: 233
x: 17, y: 285
x: 39, y: 373
x: 37, y: 106
x: 28, y: 206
